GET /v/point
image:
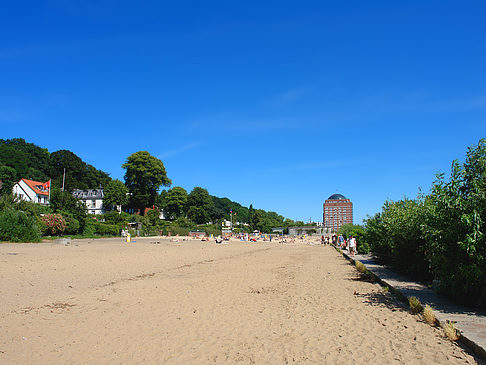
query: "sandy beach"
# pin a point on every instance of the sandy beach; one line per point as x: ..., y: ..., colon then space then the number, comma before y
x: 154, y: 301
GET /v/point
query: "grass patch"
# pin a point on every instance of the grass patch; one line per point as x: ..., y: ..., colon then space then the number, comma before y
x: 361, y: 267
x: 429, y: 315
x: 450, y: 331
x: 415, y: 305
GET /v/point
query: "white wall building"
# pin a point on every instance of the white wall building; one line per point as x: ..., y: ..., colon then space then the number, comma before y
x: 92, y: 198
x: 32, y: 191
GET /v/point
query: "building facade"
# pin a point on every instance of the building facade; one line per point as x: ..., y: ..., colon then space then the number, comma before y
x: 337, y: 210
x: 32, y: 191
x: 92, y: 198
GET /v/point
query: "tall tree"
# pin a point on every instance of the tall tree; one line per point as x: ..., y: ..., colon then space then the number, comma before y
x: 75, y: 168
x: 7, y: 180
x: 199, y: 203
x: 145, y: 174
x: 115, y: 193
x: 175, y: 202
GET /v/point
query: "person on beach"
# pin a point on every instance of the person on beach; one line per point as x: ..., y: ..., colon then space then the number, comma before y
x: 341, y: 241
x: 352, y: 245
x: 323, y: 240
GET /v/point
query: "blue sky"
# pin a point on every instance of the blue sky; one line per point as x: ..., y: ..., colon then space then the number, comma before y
x: 275, y: 103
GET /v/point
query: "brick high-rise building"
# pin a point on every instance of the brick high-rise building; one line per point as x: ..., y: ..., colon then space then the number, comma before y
x: 337, y: 210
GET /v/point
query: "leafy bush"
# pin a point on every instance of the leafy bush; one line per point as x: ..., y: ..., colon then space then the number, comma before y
x: 104, y: 229
x: 17, y: 226
x: 440, y: 236
x: 456, y: 229
x: 450, y: 331
x: 114, y: 217
x: 397, y: 239
x: 429, y: 315
x: 55, y: 224
x: 176, y: 230
x: 213, y: 229
x: 415, y: 305
x: 361, y: 267
x: 72, y: 224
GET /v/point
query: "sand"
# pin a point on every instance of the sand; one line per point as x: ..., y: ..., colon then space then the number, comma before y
x: 192, y: 302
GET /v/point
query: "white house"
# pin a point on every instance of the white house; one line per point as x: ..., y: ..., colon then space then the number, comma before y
x: 92, y: 198
x: 32, y: 191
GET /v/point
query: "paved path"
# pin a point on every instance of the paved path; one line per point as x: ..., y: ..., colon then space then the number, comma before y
x: 471, y: 323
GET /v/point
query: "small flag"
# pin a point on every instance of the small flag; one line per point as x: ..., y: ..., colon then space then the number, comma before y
x: 46, y: 185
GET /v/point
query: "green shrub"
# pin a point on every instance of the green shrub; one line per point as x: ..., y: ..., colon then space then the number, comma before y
x: 89, y: 228
x: 415, y: 305
x: 114, y: 217
x: 429, y: 315
x: 55, y: 224
x: 104, y: 229
x: 450, y: 331
x: 17, y: 226
x: 176, y: 230
x: 213, y: 229
x: 361, y: 267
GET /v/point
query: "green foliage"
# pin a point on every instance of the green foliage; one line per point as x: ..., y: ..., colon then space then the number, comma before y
x: 62, y: 201
x: 114, y: 217
x: 153, y: 217
x: 103, y: 229
x: 79, y: 175
x: 440, y: 236
x: 28, y: 160
x: 396, y: 237
x: 199, y: 203
x: 32, y: 162
x: 53, y: 224
x: 357, y: 232
x: 8, y: 178
x: 456, y: 227
x: 18, y: 226
x: 115, y: 193
x: 415, y: 305
x: 212, y: 229
x: 72, y: 224
x: 175, y: 202
x: 145, y: 174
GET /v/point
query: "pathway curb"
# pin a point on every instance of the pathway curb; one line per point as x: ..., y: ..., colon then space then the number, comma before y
x: 471, y: 344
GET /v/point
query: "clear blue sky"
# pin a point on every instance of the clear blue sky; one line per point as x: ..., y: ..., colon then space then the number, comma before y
x: 275, y: 103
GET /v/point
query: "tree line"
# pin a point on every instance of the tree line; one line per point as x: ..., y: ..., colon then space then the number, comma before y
x: 145, y: 175
x: 439, y: 238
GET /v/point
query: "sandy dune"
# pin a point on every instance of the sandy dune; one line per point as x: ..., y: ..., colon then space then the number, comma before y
x: 105, y: 302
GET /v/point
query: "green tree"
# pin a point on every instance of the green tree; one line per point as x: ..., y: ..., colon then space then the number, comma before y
x: 153, y: 217
x: 62, y: 201
x: 288, y: 223
x: 251, y: 213
x: 75, y: 168
x: 357, y: 232
x: 176, y: 202
x: 145, y: 174
x: 456, y: 225
x: 8, y: 178
x: 199, y: 204
x: 28, y: 160
x: 115, y: 193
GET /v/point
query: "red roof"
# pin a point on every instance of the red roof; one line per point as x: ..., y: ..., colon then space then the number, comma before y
x: 36, y: 186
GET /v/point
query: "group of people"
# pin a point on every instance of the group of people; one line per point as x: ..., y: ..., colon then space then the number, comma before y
x: 341, y: 242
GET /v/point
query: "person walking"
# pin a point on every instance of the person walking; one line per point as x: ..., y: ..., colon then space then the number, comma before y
x: 352, y: 245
